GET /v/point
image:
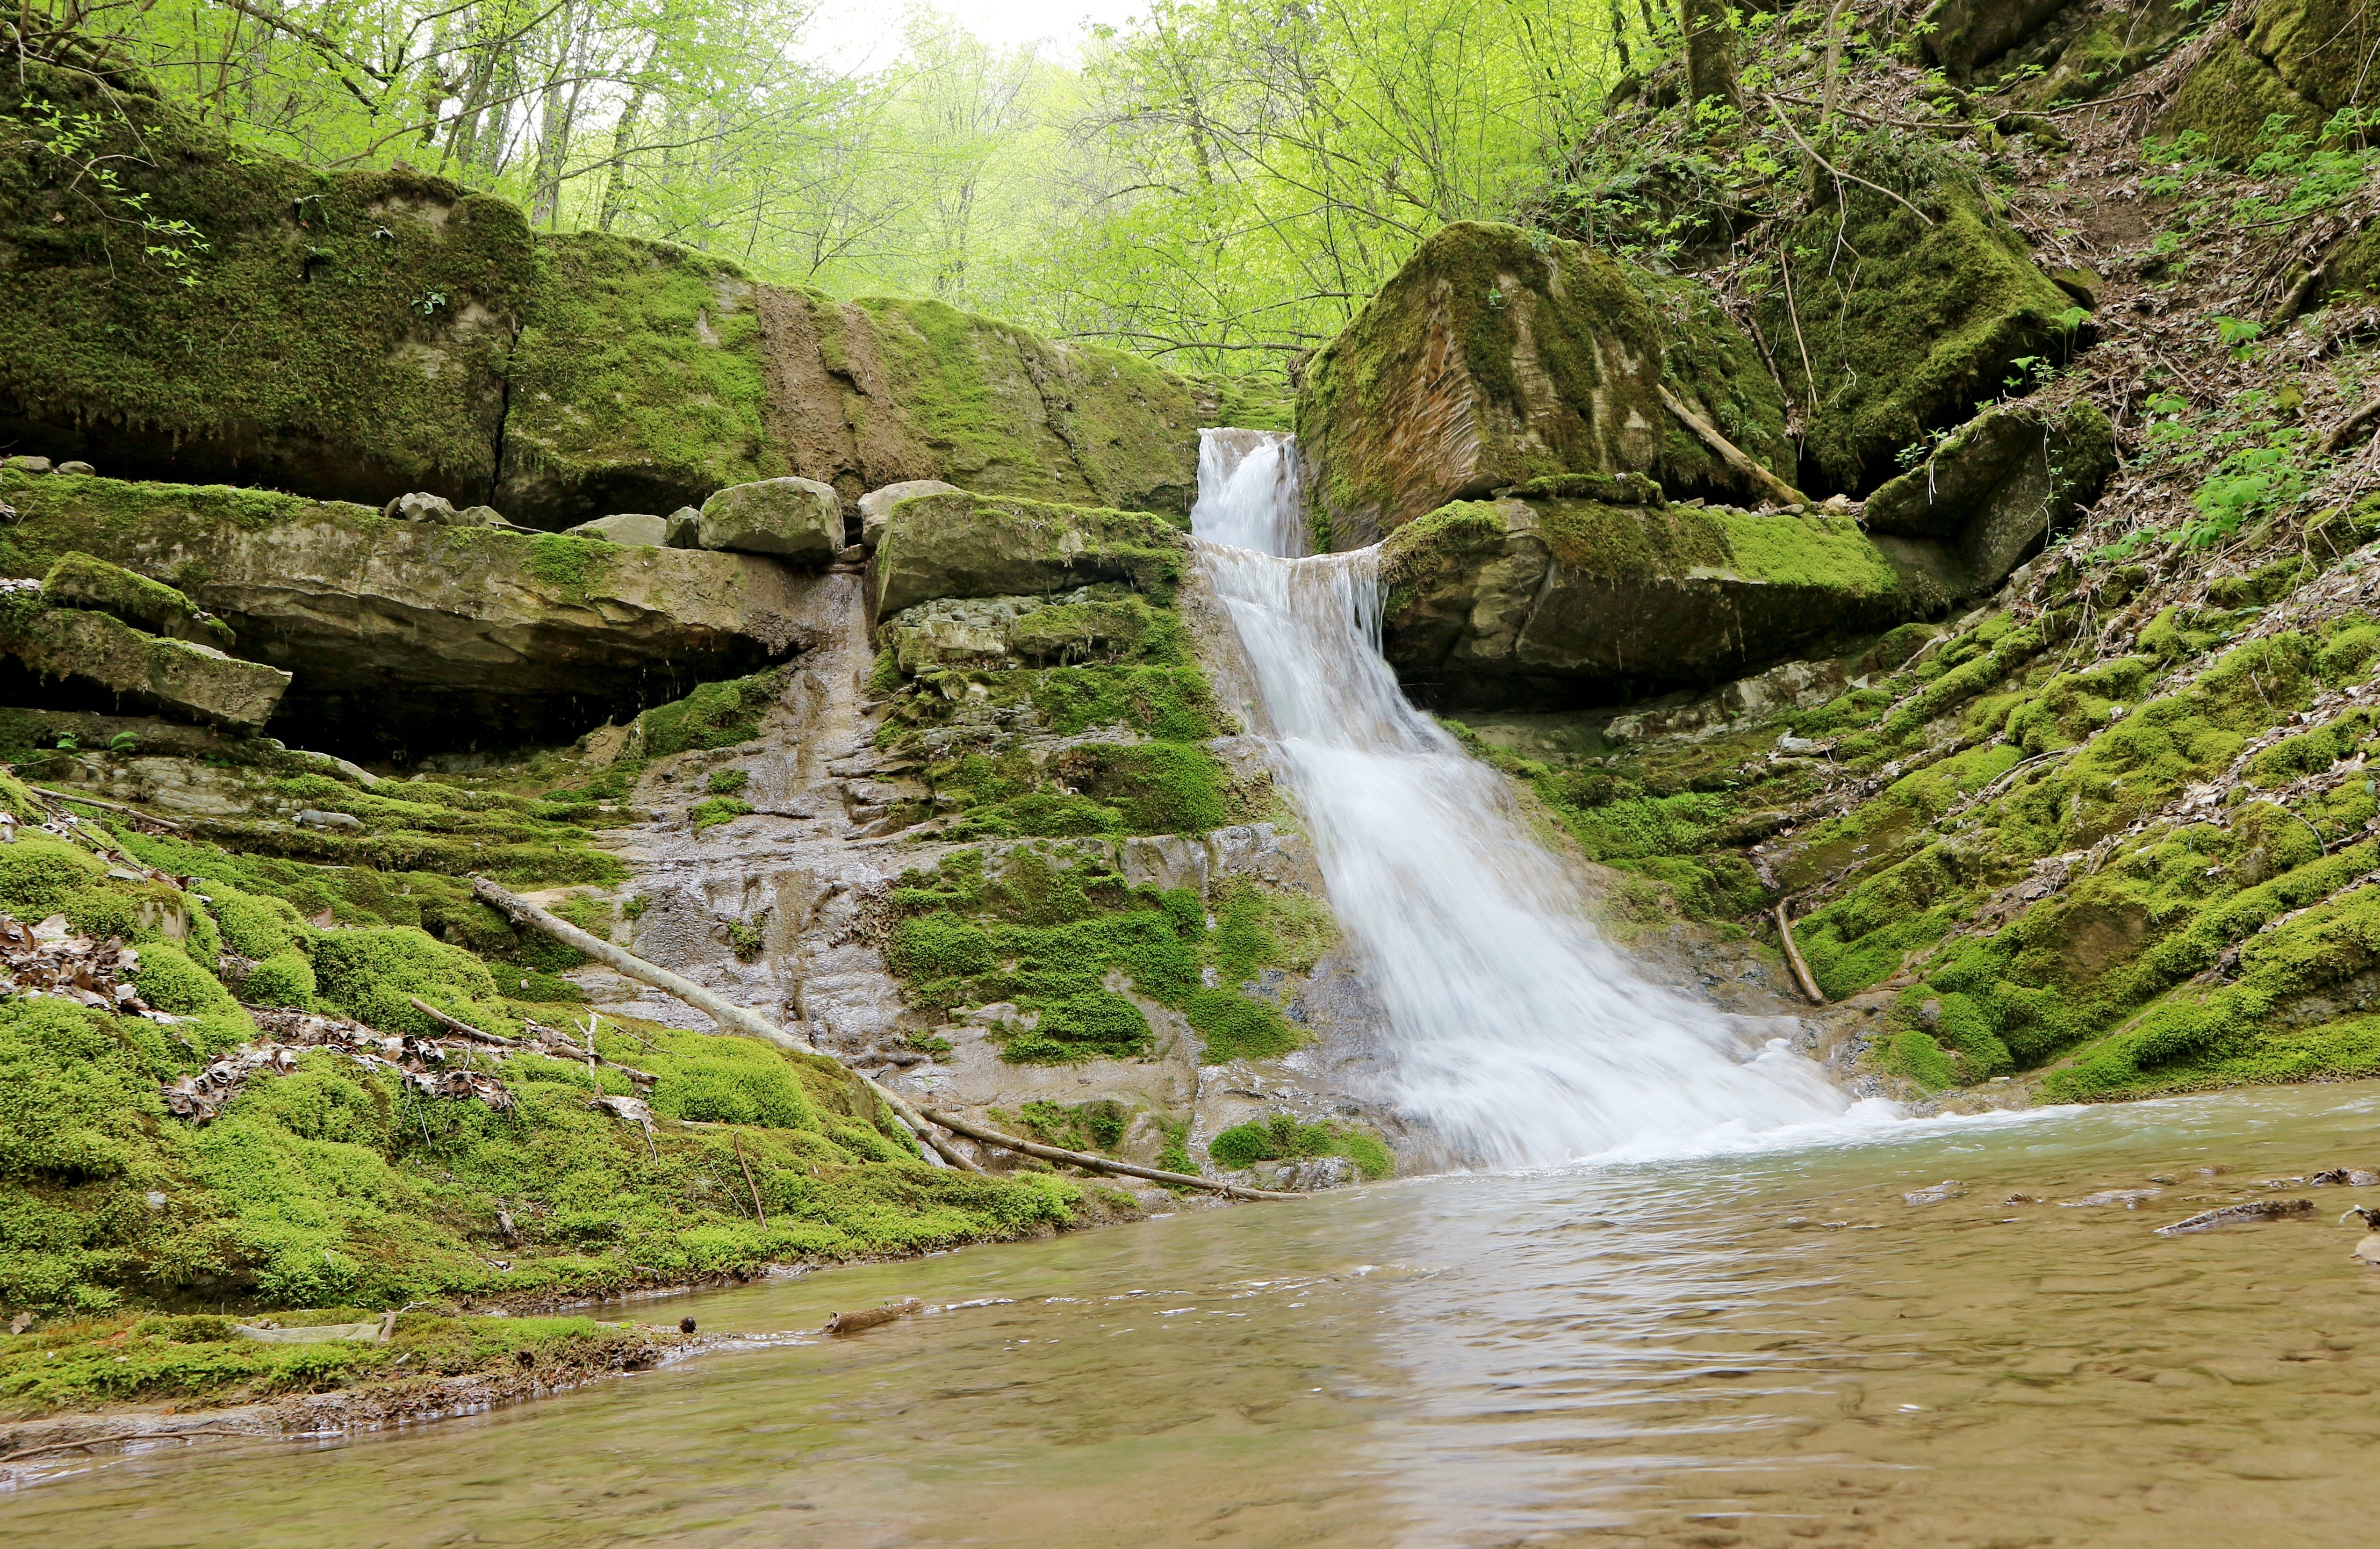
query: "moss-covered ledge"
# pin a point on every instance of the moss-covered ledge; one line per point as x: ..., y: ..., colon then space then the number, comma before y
x: 394, y: 628
x: 963, y: 546
x: 1566, y: 596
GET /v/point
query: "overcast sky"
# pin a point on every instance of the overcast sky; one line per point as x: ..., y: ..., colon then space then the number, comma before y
x: 857, y: 33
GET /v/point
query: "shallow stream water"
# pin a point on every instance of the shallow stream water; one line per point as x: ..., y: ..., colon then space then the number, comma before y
x: 1764, y: 1347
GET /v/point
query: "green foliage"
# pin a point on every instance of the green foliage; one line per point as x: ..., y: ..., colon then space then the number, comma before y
x: 711, y: 812
x: 1284, y: 1137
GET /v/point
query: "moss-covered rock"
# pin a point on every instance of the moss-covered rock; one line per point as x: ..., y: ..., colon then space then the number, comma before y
x: 883, y: 390
x: 2302, y: 60
x: 1963, y: 36
x: 1997, y: 490
x: 179, y: 677
x: 405, y: 635
x: 1559, y: 598
x: 1715, y: 370
x: 1931, y: 319
x: 1493, y: 357
x: 79, y: 580
x: 794, y: 518
x: 342, y: 332
x: 635, y: 383
x: 972, y: 545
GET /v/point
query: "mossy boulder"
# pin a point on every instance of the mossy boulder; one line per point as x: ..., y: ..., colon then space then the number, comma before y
x: 1493, y: 357
x: 972, y: 545
x: 1942, y: 305
x: 1996, y: 491
x: 1963, y: 36
x: 2300, y: 60
x: 879, y: 391
x: 342, y: 332
x: 1559, y: 599
x: 405, y: 636
x: 794, y: 518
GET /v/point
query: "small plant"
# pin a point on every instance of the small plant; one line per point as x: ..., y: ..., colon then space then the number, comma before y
x: 69, y: 744
x: 728, y: 782
x: 430, y: 301
x: 123, y: 742
x: 711, y: 812
x: 2239, y: 336
x: 744, y: 939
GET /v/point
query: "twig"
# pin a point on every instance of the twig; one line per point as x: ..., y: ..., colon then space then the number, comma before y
x: 1848, y: 176
x: 2346, y: 431
x: 1809, y: 986
x: 748, y: 1181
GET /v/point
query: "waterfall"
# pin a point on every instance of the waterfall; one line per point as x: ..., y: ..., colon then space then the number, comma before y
x: 1518, y: 1034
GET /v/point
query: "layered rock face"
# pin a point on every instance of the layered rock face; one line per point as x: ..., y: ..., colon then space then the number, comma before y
x: 2302, y: 60
x: 412, y: 637
x: 1491, y: 358
x: 355, y: 336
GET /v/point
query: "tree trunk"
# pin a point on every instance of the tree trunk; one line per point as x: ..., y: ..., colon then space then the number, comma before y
x: 1710, y: 53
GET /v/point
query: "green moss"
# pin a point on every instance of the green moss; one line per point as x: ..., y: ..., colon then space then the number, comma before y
x: 1926, y: 324
x: 727, y: 782
x: 288, y: 980
x: 1284, y: 1137
x: 1709, y: 360
x: 568, y: 565
x: 714, y: 811
x: 312, y: 311
x: 635, y: 383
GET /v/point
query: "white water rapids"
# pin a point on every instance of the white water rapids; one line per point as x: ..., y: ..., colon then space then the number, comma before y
x: 1519, y: 1035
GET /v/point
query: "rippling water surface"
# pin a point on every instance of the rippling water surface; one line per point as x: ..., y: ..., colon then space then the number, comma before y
x: 1760, y: 1349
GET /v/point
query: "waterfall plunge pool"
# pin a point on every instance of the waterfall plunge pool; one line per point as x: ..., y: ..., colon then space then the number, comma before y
x: 1761, y: 1348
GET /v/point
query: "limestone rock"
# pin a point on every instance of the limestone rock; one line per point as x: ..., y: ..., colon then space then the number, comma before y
x: 1715, y: 370
x: 179, y: 677
x: 78, y: 580
x: 799, y: 519
x: 968, y: 545
x: 1942, y: 308
x: 29, y: 464
x: 683, y: 528
x: 876, y: 505
x: 398, y: 629
x: 1528, y: 599
x: 1493, y: 357
x: 1995, y: 492
x: 627, y: 527
x: 1964, y: 35
x: 77, y: 468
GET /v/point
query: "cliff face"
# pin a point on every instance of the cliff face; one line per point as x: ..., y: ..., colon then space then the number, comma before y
x: 208, y: 315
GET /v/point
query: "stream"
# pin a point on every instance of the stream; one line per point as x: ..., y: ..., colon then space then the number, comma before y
x: 1760, y: 1347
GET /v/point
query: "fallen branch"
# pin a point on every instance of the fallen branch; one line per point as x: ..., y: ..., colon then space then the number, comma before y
x: 133, y: 812
x: 2347, y: 430
x: 1809, y: 986
x: 454, y: 1024
x: 1730, y: 453
x: 973, y: 1132
x: 730, y: 1015
x: 1812, y: 151
x: 763, y: 1215
x: 724, y: 1011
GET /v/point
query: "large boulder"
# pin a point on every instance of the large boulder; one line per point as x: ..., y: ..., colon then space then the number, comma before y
x: 2302, y: 60
x: 1940, y: 308
x: 1493, y: 357
x: 340, y: 333
x: 81, y: 580
x: 1715, y: 370
x: 876, y: 505
x: 799, y: 519
x: 1995, y: 493
x: 962, y: 545
x: 1560, y: 598
x: 408, y: 637
x: 881, y: 390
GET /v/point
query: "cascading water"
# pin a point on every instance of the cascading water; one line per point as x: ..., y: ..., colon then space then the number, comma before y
x: 1519, y: 1035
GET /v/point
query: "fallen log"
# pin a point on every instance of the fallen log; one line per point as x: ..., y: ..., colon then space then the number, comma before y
x: 1730, y: 453
x: 730, y: 1015
x: 1801, y: 976
x: 974, y: 1132
x: 725, y: 1012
